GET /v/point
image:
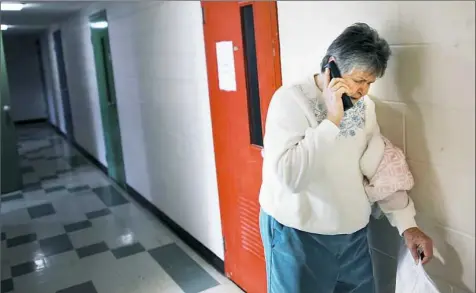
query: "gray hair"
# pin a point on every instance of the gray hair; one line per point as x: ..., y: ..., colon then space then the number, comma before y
x: 359, y: 47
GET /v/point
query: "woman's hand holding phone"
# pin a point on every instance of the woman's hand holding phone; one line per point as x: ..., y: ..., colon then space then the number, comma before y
x: 333, y: 91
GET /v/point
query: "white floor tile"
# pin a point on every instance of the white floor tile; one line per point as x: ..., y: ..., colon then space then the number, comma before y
x: 125, y: 225
x: 228, y: 288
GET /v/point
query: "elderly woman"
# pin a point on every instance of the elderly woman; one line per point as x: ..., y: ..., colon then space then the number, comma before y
x: 315, y: 210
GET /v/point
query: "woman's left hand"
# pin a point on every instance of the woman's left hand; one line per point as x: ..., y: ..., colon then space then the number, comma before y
x: 418, y: 242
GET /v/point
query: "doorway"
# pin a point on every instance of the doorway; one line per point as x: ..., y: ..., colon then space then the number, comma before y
x: 244, y: 71
x: 63, y: 83
x: 107, y: 96
x: 11, y: 178
x: 42, y: 76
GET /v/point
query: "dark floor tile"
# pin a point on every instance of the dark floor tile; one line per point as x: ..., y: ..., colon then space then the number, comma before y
x: 41, y: 210
x: 51, y: 158
x: 51, y: 177
x: 56, y: 140
x: 30, y: 152
x: 189, y: 275
x: 19, y: 240
x: 79, y: 188
x: 110, y: 196
x: 32, y: 187
x: 97, y: 214
x: 77, y: 161
x: 27, y: 169
x: 23, y: 269
x: 7, y: 286
x: 12, y: 197
x: 92, y: 249
x: 36, y: 158
x: 128, y: 250
x: 87, y: 287
x: 43, y: 148
x: 77, y: 226
x: 54, y: 189
x: 55, y: 245
x: 63, y: 171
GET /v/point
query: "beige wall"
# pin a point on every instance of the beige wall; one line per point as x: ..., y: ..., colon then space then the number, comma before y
x: 158, y: 57
x: 425, y: 105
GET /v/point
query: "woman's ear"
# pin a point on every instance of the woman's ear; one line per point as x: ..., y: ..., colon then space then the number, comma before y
x: 332, y: 59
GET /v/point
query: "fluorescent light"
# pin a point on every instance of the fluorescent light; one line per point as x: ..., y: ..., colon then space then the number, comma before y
x: 99, y: 24
x: 11, y: 6
x: 4, y: 27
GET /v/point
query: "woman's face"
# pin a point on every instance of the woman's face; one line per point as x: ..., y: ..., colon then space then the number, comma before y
x: 359, y: 82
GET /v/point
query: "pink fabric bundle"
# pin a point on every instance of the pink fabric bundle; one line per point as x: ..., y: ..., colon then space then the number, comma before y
x: 392, y: 174
x: 387, y: 176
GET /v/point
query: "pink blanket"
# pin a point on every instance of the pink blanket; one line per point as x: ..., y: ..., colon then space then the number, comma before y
x: 391, y: 180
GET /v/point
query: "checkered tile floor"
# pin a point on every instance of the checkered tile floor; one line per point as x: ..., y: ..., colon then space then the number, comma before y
x: 71, y: 230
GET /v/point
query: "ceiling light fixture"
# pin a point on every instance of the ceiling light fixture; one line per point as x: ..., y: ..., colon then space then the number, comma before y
x: 11, y: 6
x: 99, y: 24
x: 4, y: 27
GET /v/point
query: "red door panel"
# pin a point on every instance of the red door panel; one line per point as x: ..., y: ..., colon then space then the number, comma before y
x: 238, y: 158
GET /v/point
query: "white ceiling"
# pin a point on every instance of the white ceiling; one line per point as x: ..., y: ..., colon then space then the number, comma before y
x: 38, y: 16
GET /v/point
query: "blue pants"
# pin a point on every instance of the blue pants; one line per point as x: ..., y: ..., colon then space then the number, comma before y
x: 301, y: 262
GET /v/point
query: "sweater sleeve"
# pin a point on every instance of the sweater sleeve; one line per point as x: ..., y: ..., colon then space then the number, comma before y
x: 401, y: 218
x: 291, y: 145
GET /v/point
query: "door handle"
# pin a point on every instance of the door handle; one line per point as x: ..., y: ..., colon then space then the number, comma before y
x: 6, y: 108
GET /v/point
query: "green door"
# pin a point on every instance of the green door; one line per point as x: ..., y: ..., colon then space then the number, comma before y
x: 11, y: 179
x: 107, y: 96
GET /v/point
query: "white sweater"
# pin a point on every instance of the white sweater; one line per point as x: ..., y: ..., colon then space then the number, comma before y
x: 312, y: 179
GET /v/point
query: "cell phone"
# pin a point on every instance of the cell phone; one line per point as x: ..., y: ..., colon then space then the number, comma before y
x: 334, y: 71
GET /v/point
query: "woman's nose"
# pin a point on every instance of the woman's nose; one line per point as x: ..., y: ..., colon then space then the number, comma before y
x: 363, y: 90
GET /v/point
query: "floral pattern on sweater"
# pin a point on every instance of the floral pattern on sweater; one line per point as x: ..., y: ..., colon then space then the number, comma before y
x: 353, y: 119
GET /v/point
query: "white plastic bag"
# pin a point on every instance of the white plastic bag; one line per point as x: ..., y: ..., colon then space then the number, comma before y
x: 411, y: 277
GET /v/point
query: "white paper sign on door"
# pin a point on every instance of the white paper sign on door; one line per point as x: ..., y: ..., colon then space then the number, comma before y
x: 226, y: 66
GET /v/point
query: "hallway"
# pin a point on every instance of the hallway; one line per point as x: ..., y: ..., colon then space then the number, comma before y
x: 72, y: 230
x: 172, y: 99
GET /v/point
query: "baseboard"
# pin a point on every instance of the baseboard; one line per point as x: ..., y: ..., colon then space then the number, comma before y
x: 186, y: 237
x: 56, y: 128
x: 91, y: 158
x: 83, y: 151
x: 31, y: 121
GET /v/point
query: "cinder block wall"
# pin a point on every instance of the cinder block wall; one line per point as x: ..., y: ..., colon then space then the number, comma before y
x: 425, y: 104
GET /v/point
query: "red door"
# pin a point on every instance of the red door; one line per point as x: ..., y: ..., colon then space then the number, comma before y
x: 242, y: 77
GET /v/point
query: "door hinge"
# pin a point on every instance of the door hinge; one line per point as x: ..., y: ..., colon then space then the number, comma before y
x: 224, y: 244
